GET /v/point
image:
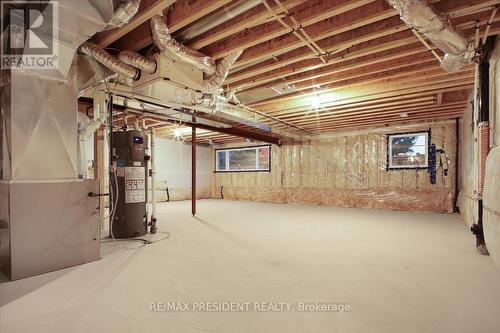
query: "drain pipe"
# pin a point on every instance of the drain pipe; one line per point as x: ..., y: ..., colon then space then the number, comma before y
x: 484, y: 139
x: 153, y: 180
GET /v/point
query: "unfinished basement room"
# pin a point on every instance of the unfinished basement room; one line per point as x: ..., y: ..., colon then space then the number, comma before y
x: 250, y: 166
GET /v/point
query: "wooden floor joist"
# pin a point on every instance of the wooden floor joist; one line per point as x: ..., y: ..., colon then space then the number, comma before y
x: 366, y: 69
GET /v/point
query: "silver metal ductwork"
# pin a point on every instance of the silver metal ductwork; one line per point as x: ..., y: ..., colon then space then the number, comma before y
x: 135, y: 59
x: 418, y: 15
x: 125, y: 11
x: 216, y: 19
x: 109, y: 61
x: 216, y: 71
x: 216, y: 80
x: 166, y: 43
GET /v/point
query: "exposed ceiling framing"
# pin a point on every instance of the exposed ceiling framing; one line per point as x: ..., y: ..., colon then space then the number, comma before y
x: 347, y: 63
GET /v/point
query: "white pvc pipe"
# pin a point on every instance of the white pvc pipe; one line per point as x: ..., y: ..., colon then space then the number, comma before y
x: 153, y: 177
x: 100, y: 112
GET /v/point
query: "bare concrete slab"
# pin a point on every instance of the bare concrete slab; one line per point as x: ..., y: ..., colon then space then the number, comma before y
x: 396, y: 271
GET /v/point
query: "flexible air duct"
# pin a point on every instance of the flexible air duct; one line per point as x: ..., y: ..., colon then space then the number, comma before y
x: 418, y: 15
x: 166, y: 43
x: 135, y: 59
x: 215, y: 81
x: 109, y: 61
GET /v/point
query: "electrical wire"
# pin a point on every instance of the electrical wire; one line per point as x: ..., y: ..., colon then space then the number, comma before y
x: 114, y: 207
x: 144, y: 241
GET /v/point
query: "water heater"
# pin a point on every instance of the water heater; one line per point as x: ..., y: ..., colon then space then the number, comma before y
x: 129, y: 218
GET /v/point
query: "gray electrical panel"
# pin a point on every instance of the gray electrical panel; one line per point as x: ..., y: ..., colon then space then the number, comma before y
x: 130, y: 216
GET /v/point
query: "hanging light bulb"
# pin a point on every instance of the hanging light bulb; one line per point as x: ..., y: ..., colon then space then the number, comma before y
x: 177, y: 131
x: 315, y: 102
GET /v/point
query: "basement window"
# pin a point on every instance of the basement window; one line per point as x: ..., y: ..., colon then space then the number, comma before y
x: 408, y: 150
x: 246, y: 159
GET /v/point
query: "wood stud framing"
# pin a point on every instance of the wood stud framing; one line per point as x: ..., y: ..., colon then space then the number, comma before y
x: 357, y: 55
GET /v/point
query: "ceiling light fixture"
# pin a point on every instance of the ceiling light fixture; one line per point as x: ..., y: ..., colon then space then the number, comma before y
x: 315, y: 102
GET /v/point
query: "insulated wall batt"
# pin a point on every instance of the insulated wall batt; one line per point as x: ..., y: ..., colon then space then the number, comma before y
x: 347, y: 170
x: 468, y: 143
x: 468, y: 175
x: 492, y: 205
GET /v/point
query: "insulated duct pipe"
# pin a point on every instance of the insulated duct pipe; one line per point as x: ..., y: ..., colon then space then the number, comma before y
x: 217, y: 72
x: 216, y: 19
x: 124, y: 13
x: 418, y: 15
x: 153, y: 182
x: 166, y: 43
x: 135, y: 59
x: 109, y: 61
x: 215, y: 81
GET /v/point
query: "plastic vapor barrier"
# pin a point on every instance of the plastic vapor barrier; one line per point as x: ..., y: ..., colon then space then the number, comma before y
x: 348, y: 170
x: 492, y: 205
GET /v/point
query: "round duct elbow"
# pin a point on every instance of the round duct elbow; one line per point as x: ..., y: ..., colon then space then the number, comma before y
x: 135, y: 59
x: 215, y: 81
x: 166, y: 43
x: 110, y: 61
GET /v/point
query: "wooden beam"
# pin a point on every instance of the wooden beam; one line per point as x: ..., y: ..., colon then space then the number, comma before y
x: 247, y: 20
x: 340, y: 41
x: 440, y: 98
x: 418, y: 61
x: 357, y: 88
x: 393, y: 120
x: 306, y: 14
x: 244, y: 133
x: 360, y: 106
x: 342, y: 96
x: 147, y: 9
x: 305, y: 117
x: 299, y: 60
x: 350, y: 20
x: 354, y: 116
x: 180, y: 14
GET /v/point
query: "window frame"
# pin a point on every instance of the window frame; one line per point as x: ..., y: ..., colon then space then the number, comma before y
x: 216, y: 166
x: 389, y: 136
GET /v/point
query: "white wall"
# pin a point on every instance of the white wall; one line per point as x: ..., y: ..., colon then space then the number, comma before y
x: 173, y: 169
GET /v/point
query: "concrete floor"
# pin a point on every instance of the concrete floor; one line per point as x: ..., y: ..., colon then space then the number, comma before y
x: 399, y: 272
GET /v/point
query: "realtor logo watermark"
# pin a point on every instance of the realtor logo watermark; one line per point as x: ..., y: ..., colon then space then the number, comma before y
x: 29, y: 35
x: 249, y: 307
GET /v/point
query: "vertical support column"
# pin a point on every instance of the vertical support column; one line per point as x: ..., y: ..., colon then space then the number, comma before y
x: 193, y: 168
x: 100, y: 111
x: 153, y: 182
x: 457, y: 163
